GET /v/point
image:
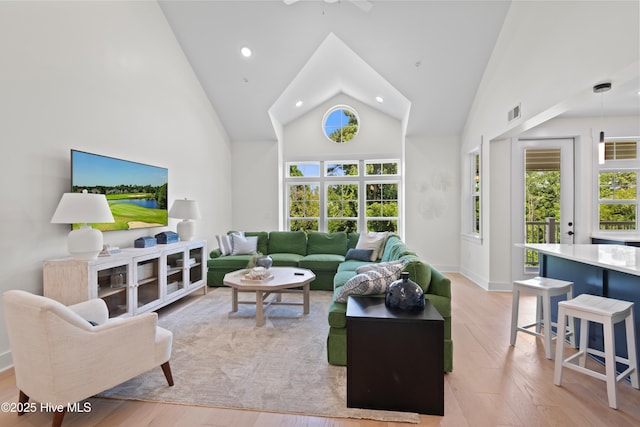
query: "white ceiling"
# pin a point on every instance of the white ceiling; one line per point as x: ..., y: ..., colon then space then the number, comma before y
x: 425, y: 58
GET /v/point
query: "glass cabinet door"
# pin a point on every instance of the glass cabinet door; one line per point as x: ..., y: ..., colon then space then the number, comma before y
x: 175, y: 272
x: 113, y: 284
x: 196, y: 256
x: 147, y: 283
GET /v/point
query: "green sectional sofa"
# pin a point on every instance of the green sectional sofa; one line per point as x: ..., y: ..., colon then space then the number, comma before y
x: 319, y: 252
x: 324, y: 254
x: 436, y: 287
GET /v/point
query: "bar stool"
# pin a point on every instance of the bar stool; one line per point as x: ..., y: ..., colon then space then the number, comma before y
x: 608, y: 312
x: 544, y: 288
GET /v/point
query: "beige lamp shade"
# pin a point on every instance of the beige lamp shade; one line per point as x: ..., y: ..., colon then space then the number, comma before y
x: 187, y: 210
x: 84, y: 242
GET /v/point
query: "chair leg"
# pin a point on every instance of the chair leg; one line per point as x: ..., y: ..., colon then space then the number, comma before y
x: 22, y: 398
x: 610, y: 362
x: 631, y: 350
x: 514, y: 314
x: 58, y: 416
x: 546, y: 313
x: 167, y: 373
x: 557, y: 371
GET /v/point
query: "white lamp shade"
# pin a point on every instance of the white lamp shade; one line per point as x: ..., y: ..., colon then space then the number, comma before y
x: 74, y: 208
x: 184, y: 209
x: 82, y: 208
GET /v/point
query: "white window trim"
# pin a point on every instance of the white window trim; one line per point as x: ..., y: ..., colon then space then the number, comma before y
x: 617, y: 166
x: 362, y: 179
x: 470, y: 194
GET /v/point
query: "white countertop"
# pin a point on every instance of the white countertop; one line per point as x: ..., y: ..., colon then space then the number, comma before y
x: 614, y: 257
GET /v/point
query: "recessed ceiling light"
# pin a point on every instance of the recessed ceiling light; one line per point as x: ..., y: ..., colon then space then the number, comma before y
x: 380, y: 99
x: 245, y: 51
x: 299, y: 104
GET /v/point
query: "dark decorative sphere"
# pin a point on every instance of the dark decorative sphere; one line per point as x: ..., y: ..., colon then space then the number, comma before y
x: 264, y: 261
x: 405, y: 295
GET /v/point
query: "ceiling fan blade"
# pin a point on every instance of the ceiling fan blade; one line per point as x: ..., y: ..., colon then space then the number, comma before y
x: 288, y: 2
x: 364, y: 5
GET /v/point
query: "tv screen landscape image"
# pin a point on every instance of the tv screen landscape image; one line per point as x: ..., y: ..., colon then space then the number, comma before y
x: 136, y: 192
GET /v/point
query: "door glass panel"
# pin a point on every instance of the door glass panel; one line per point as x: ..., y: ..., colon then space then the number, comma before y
x: 542, y: 199
x: 148, y: 288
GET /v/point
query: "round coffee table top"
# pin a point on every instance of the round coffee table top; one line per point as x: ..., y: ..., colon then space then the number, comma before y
x: 281, y: 278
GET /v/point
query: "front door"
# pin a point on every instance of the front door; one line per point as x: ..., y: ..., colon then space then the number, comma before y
x: 543, y: 173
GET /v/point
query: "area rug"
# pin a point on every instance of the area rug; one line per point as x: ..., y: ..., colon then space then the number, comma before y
x: 222, y: 359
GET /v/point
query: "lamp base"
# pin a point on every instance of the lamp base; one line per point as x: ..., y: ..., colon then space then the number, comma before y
x: 186, y: 229
x: 85, y: 243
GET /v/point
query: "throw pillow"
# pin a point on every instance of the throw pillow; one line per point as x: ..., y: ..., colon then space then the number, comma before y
x: 369, y: 267
x: 371, y: 282
x: 244, y: 245
x: 225, y: 244
x: 373, y: 240
x: 359, y: 254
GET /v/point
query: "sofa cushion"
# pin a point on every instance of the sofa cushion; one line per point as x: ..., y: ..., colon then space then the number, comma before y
x: 321, y: 262
x: 341, y: 277
x: 290, y: 242
x: 371, y: 282
x: 352, y: 239
x: 231, y: 262
x: 285, y: 260
x: 351, y: 265
x: 337, y: 313
x: 327, y: 243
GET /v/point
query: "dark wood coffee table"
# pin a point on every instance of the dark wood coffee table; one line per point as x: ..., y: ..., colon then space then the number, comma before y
x: 395, y: 360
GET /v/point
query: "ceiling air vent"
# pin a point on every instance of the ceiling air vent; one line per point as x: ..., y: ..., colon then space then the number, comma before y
x: 514, y: 113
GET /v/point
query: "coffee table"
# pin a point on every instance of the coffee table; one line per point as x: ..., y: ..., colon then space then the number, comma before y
x: 283, y: 281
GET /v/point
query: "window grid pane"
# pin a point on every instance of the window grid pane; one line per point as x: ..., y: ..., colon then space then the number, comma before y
x: 617, y: 185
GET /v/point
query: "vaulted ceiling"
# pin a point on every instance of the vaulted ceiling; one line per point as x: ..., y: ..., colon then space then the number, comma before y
x: 424, y: 58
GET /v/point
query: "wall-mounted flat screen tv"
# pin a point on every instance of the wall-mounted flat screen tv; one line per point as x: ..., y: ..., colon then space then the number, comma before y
x: 136, y: 192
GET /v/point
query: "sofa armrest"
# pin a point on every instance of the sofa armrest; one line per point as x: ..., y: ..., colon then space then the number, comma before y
x: 440, y: 284
x: 215, y: 253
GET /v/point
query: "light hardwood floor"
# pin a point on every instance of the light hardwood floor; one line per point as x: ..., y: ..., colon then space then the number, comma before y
x: 492, y: 384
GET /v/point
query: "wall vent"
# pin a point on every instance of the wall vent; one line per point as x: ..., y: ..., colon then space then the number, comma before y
x: 514, y: 113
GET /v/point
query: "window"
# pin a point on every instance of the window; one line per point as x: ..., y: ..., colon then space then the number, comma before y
x: 350, y: 200
x: 473, y: 203
x: 382, y: 206
x: 476, y: 193
x: 617, y: 186
x: 340, y: 124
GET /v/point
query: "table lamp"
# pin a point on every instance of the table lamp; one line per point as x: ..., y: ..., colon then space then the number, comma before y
x: 84, y: 242
x: 187, y: 210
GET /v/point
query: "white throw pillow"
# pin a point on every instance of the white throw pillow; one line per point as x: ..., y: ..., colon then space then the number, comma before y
x: 225, y: 244
x: 373, y: 240
x: 244, y: 245
x: 375, y: 281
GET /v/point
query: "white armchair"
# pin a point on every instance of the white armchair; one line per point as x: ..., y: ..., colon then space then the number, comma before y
x: 60, y: 358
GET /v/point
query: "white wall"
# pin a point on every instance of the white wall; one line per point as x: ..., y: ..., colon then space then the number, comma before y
x: 104, y: 77
x: 379, y: 135
x: 255, y: 184
x: 432, y: 200
x: 547, y: 52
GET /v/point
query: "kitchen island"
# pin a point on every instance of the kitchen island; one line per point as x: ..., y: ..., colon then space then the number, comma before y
x: 606, y: 270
